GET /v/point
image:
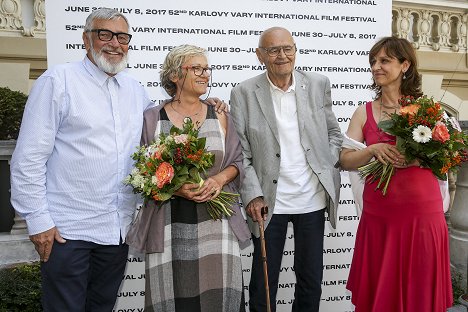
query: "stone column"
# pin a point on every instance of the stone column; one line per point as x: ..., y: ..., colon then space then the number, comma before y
x: 19, y: 227
x: 6, y: 150
x: 459, y: 222
x: 15, y: 247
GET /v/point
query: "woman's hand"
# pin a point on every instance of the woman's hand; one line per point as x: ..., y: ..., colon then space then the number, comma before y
x: 219, y: 105
x: 406, y: 164
x: 188, y: 191
x: 387, y: 153
x: 192, y: 191
x: 210, y: 189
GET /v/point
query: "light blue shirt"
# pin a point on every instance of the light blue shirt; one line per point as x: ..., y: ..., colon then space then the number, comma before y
x: 79, y: 129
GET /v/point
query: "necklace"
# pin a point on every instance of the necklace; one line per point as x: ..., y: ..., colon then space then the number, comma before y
x: 386, y: 106
x: 187, y: 116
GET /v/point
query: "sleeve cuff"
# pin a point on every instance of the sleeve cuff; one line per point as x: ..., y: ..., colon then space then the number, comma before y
x: 39, y: 224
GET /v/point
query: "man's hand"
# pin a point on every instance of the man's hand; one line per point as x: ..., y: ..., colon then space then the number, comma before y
x: 254, y: 209
x: 219, y: 105
x: 44, y: 241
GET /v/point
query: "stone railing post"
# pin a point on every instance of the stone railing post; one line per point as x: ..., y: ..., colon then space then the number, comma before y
x: 15, y: 246
x: 6, y: 150
x: 459, y: 223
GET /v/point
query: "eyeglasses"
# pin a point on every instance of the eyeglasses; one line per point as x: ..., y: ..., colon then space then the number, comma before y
x: 107, y: 35
x: 198, y: 70
x: 275, y: 51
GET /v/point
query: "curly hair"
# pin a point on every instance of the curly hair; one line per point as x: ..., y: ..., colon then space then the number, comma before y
x: 402, y: 50
x: 172, y: 66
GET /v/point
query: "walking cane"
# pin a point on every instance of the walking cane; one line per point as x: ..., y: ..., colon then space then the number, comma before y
x: 264, y: 258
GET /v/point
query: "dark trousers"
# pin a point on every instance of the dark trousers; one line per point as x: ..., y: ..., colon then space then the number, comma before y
x: 82, y: 276
x: 308, y: 261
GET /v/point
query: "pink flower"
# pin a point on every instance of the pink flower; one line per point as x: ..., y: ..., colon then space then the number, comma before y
x: 157, y: 155
x: 164, y: 174
x: 181, y: 138
x: 440, y: 132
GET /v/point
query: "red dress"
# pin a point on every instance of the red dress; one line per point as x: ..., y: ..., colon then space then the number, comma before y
x: 401, y: 259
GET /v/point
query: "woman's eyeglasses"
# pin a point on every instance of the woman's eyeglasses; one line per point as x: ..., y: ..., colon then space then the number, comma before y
x: 107, y: 35
x: 198, y: 70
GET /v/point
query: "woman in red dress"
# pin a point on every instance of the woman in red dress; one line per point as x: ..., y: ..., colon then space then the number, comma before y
x: 401, y: 257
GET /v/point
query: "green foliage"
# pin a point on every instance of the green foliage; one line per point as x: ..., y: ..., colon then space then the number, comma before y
x: 425, y: 133
x: 20, y: 288
x: 458, y: 287
x: 11, y: 111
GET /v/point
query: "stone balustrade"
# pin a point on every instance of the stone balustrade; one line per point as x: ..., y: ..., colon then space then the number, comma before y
x: 441, y: 26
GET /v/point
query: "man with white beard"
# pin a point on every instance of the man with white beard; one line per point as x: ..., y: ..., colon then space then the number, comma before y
x: 82, y: 122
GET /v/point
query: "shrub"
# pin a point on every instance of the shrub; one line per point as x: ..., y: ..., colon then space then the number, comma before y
x: 20, y: 288
x: 457, y: 285
x: 11, y: 111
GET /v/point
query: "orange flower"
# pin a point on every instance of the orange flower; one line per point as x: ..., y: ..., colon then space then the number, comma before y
x: 164, y: 174
x: 444, y: 169
x: 440, y: 132
x: 409, y: 110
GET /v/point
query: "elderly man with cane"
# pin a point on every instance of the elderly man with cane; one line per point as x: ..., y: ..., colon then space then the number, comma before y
x: 291, y: 141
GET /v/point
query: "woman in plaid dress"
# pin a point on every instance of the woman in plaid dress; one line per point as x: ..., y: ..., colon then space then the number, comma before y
x: 193, y: 262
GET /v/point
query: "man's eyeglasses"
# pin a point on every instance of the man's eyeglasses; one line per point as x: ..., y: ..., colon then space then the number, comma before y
x: 275, y: 51
x: 107, y: 35
x: 198, y: 70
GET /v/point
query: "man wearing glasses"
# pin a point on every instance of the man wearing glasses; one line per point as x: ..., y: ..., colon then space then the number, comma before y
x: 82, y: 122
x: 291, y: 141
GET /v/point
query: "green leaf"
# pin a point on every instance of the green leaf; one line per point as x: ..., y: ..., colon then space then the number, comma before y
x: 386, y: 125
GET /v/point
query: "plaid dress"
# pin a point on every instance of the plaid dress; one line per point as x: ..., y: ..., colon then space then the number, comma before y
x: 200, y: 268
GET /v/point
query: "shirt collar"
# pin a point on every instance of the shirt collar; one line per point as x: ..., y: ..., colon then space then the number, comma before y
x: 291, y: 88
x: 100, y: 76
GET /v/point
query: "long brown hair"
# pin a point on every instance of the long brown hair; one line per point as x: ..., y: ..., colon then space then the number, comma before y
x: 402, y: 50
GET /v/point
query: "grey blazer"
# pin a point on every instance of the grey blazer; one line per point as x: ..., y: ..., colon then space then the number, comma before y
x: 254, y: 116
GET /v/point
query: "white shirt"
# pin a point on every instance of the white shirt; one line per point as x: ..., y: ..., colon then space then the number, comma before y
x: 298, y: 189
x: 79, y: 129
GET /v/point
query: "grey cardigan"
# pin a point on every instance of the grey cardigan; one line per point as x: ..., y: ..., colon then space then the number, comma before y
x: 146, y: 232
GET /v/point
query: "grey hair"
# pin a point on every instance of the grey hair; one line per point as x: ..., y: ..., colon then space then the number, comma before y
x: 103, y: 14
x: 172, y: 66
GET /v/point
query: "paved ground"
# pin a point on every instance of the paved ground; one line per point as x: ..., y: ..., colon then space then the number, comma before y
x: 457, y: 308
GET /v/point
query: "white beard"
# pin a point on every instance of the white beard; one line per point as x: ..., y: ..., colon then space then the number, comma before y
x: 103, y: 64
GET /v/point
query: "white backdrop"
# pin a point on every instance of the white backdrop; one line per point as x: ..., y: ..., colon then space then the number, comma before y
x: 333, y: 38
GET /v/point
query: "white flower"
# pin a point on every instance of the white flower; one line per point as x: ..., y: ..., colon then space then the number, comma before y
x: 150, y: 150
x: 422, y: 134
x: 127, y: 179
x: 135, y: 171
x: 454, y: 123
x: 138, y: 181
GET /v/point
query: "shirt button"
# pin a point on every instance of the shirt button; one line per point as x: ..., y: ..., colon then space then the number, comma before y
x: 274, y: 181
x: 277, y: 155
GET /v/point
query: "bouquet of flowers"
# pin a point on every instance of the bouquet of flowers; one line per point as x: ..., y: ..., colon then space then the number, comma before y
x: 175, y: 159
x: 424, y: 132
